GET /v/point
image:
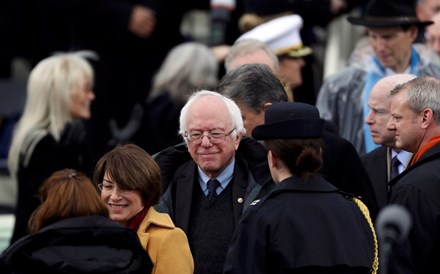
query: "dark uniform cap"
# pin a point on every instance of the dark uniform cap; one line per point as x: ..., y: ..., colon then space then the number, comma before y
x: 290, y: 120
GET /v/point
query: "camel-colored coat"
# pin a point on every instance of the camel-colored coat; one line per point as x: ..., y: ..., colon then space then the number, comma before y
x: 166, y: 244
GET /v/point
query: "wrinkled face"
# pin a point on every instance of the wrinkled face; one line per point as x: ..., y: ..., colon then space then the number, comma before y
x: 392, y: 46
x: 122, y: 204
x: 205, y: 116
x: 406, y: 124
x: 257, y: 57
x: 377, y: 119
x: 291, y: 69
x: 81, y: 98
x: 250, y: 118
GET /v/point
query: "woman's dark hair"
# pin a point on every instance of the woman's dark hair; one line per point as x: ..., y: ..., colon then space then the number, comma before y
x: 301, y: 156
x: 131, y: 167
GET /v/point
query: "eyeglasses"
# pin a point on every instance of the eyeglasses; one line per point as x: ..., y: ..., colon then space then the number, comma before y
x: 214, y: 137
x: 108, y: 188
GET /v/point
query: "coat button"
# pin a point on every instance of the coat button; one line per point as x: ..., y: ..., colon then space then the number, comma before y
x: 240, y: 200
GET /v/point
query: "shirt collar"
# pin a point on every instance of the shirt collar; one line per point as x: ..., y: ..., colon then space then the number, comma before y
x: 403, y: 156
x: 224, y: 178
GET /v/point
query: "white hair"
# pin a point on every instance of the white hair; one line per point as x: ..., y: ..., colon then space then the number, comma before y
x: 233, y: 109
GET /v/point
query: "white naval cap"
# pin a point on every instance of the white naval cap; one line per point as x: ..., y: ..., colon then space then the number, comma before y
x: 282, y: 35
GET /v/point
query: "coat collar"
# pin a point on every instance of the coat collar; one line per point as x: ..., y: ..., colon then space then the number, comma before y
x: 155, y: 218
x: 313, y: 183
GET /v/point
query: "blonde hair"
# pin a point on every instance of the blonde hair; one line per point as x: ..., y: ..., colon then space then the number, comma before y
x: 47, y: 110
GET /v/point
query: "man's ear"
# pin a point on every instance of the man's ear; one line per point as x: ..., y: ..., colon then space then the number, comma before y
x: 237, y: 140
x: 427, y: 117
x: 414, y: 31
x: 266, y: 105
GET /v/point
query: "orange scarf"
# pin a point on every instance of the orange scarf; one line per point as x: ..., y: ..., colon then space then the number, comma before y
x: 434, y: 141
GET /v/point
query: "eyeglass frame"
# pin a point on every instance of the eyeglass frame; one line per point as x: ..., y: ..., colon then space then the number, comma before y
x: 199, y: 140
x: 114, y: 186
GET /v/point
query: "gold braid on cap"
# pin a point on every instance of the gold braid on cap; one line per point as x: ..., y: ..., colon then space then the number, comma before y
x: 286, y: 50
x: 366, y: 214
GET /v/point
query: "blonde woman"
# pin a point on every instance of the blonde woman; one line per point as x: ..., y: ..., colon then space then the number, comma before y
x: 49, y: 135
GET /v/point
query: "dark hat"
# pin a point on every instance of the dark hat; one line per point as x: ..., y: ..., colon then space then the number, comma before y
x: 290, y: 120
x: 389, y: 13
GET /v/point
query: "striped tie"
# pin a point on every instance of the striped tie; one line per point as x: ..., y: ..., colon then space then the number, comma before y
x: 212, y: 187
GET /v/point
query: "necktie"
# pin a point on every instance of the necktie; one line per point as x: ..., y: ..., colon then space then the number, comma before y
x: 212, y: 187
x: 394, y: 167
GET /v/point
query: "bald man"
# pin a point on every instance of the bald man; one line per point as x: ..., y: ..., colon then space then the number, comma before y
x: 378, y: 162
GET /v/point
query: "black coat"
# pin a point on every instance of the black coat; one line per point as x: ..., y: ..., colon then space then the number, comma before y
x: 90, y: 244
x: 159, y: 124
x: 302, y: 226
x: 48, y: 156
x: 418, y: 190
x: 251, y: 179
x: 343, y: 168
x: 375, y: 163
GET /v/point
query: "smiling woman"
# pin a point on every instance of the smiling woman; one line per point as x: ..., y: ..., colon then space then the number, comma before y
x: 72, y: 222
x: 130, y: 185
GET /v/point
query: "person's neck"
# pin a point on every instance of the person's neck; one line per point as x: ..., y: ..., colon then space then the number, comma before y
x: 281, y: 175
x: 403, y: 66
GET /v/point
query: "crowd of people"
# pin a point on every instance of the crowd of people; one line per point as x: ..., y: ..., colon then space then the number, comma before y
x: 140, y: 152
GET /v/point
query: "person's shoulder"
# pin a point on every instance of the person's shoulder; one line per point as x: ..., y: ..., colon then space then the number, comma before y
x: 177, y: 153
x: 82, y: 222
x: 42, y: 146
x: 379, y: 151
x: 426, y: 54
x: 160, y: 226
x: 337, y: 142
x: 331, y: 128
x: 346, y: 77
x: 163, y: 103
x: 251, y: 149
x: 172, y: 158
x: 254, y: 153
x: 158, y: 219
